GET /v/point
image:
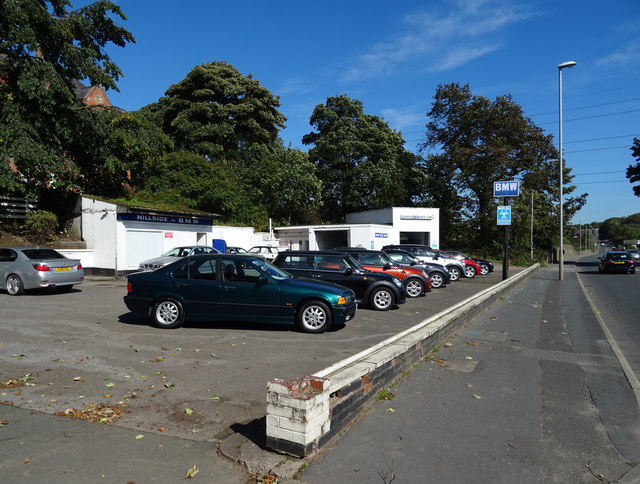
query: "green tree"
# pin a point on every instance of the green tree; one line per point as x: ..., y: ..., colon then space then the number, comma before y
x: 471, y: 142
x: 361, y: 162
x: 47, y: 136
x: 633, y: 171
x: 190, y: 180
x: 286, y: 182
x: 621, y: 228
x: 217, y: 112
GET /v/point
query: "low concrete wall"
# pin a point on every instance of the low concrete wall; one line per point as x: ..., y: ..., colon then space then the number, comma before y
x: 297, y: 428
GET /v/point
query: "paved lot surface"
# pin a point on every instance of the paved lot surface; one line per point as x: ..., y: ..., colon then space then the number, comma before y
x: 83, y: 349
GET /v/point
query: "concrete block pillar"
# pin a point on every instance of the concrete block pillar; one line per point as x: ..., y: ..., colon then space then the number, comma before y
x: 297, y: 414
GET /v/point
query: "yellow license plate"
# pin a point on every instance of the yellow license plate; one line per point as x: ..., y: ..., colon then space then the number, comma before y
x: 619, y: 262
x: 62, y: 269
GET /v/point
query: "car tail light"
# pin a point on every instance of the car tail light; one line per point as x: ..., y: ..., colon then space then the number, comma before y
x: 129, y: 287
x: 79, y: 267
x: 41, y: 268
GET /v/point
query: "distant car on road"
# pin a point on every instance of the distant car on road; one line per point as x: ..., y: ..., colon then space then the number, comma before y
x: 617, y: 261
x: 634, y: 254
x: 227, y: 287
x: 24, y: 268
x: 170, y: 256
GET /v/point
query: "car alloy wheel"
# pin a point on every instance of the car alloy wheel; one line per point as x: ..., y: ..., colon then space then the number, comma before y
x: 437, y: 280
x: 313, y: 317
x: 14, y: 286
x: 167, y: 313
x: 454, y: 272
x: 414, y: 287
x: 382, y: 299
x: 469, y: 271
x: 484, y: 269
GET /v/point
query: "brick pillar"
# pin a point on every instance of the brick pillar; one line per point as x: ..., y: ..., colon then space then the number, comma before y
x: 297, y: 414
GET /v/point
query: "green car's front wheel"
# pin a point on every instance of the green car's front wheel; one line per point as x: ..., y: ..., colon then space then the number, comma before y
x: 313, y: 317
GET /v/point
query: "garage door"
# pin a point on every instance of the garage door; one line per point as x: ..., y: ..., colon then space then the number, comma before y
x: 142, y: 245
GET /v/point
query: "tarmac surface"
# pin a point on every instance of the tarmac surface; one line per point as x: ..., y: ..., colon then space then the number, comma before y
x: 529, y: 392
x: 432, y: 420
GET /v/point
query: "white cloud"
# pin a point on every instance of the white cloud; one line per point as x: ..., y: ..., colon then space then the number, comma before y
x: 439, y: 41
x: 399, y: 120
x: 625, y: 54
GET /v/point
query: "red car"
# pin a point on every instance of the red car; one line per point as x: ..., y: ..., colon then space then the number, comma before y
x: 415, y: 281
x: 471, y: 267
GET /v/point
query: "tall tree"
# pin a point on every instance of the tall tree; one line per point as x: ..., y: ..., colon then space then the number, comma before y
x: 360, y: 160
x: 633, y: 171
x: 46, y: 133
x: 471, y: 142
x: 217, y: 112
x: 286, y: 181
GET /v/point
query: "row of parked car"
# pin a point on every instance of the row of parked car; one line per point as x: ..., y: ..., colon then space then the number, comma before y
x: 314, y: 289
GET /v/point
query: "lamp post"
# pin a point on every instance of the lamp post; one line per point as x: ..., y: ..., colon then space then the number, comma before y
x: 564, y: 65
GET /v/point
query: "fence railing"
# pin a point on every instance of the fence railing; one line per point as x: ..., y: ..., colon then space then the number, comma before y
x: 16, y: 208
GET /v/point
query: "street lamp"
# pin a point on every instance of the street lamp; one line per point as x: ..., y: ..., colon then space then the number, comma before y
x: 564, y: 65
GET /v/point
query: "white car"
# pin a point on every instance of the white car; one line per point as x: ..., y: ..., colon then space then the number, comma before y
x: 173, y: 255
x: 268, y: 252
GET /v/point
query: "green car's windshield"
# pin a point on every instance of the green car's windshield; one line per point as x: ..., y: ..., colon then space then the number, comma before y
x: 270, y: 270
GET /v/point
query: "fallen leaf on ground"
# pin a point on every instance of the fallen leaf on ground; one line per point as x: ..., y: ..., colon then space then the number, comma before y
x: 477, y: 397
x: 101, y: 413
x: 191, y: 472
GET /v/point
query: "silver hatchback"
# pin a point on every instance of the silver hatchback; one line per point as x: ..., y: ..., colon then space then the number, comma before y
x: 23, y: 268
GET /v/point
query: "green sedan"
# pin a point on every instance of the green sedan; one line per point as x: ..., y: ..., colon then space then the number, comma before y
x: 228, y: 287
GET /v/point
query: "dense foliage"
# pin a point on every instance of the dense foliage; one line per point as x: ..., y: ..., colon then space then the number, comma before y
x: 619, y: 229
x: 633, y: 171
x: 49, y: 137
x: 470, y: 142
x: 361, y: 162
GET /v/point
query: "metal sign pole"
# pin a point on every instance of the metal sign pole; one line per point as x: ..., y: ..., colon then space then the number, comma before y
x: 505, y: 244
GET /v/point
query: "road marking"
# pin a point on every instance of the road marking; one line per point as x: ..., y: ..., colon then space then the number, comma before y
x: 626, y: 368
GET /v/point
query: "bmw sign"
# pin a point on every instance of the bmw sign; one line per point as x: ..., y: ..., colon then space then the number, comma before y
x: 506, y: 189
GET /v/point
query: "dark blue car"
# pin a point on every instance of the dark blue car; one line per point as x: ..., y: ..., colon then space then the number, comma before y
x: 236, y: 288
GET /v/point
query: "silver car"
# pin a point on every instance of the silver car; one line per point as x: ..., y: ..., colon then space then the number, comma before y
x: 23, y: 268
x: 173, y: 254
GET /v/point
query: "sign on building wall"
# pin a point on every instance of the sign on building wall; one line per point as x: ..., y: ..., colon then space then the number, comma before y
x: 164, y: 219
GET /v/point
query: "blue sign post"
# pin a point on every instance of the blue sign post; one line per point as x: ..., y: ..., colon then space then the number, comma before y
x: 505, y: 189
x: 504, y: 215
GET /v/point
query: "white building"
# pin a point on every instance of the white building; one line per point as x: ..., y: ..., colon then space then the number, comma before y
x: 119, y: 237
x: 371, y: 230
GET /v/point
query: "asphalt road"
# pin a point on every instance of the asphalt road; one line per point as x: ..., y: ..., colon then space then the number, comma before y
x: 614, y: 299
x: 80, y: 350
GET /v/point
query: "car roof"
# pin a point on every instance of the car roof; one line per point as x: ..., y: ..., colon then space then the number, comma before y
x: 314, y: 252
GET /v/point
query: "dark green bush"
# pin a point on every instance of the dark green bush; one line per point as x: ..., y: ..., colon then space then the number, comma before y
x: 40, y: 227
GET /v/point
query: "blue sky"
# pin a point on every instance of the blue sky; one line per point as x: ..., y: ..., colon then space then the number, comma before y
x: 393, y: 55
